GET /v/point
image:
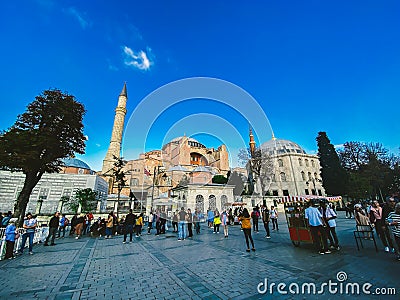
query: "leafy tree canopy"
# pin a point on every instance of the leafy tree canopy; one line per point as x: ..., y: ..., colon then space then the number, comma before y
x: 51, y: 129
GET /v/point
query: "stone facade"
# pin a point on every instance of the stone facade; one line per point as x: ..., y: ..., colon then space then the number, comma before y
x: 204, y: 197
x: 294, y: 171
x: 45, y: 197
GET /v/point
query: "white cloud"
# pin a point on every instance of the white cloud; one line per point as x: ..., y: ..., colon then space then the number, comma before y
x: 140, y: 60
x: 73, y: 12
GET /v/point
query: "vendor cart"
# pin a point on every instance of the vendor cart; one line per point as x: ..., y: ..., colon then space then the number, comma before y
x: 295, y: 206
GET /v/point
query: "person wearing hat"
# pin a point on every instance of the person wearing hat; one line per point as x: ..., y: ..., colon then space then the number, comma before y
x: 11, y: 235
x: 29, y: 226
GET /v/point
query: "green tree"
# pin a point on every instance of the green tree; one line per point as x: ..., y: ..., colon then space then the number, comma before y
x: 334, y: 176
x: 119, y: 174
x: 51, y: 129
x: 85, y: 198
x: 219, y: 179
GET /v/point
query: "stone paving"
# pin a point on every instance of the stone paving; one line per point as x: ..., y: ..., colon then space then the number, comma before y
x: 208, y: 266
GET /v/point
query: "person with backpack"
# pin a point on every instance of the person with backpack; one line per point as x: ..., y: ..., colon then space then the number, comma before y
x: 245, y: 218
x: 11, y: 234
x: 255, y: 215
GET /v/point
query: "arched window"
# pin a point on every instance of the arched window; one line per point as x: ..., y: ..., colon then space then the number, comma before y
x: 306, y: 162
x: 312, y: 163
x: 283, y: 176
x: 316, y: 176
x: 224, y: 200
x: 200, y: 203
x: 280, y: 162
x: 309, y: 176
x: 134, y: 182
x: 300, y: 162
x: 212, y: 202
x: 303, y: 176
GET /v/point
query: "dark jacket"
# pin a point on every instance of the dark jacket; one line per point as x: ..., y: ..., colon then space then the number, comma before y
x: 130, y: 219
x: 54, y: 221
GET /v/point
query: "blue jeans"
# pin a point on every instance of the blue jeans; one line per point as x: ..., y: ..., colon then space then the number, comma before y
x: 182, y: 230
x: 109, y: 231
x: 24, y: 238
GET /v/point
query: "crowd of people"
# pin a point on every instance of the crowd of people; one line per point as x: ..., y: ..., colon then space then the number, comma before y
x: 320, y: 215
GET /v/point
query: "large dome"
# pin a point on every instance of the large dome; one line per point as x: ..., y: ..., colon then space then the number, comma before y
x: 278, y: 146
x: 75, y: 163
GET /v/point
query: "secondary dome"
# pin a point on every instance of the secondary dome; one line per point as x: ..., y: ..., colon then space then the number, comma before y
x: 75, y: 163
x: 278, y: 146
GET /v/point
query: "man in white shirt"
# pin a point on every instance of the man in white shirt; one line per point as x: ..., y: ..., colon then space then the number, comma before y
x: 316, y: 223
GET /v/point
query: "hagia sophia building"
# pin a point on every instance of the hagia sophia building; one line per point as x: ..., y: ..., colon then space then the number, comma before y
x: 179, y: 174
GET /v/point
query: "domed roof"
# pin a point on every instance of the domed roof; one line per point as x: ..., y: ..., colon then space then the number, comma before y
x: 75, y: 163
x: 278, y: 146
x: 204, y: 169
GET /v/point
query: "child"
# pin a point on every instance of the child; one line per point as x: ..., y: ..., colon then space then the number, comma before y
x: 11, y: 236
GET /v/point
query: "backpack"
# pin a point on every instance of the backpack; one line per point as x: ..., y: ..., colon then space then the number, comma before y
x: 5, y: 221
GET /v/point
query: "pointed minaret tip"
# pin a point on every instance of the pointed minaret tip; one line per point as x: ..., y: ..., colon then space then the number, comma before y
x: 124, y: 92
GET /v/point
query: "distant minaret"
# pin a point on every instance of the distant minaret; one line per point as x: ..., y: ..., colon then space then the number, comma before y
x: 116, y: 135
x: 252, y: 143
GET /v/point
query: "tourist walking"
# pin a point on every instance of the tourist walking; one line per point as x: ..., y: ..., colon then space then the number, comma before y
x: 329, y: 216
x: 175, y: 222
x: 150, y: 223
x: 246, y: 227
x: 394, y: 221
x: 29, y: 226
x: 217, y: 221
x: 182, y: 224
x: 274, y: 218
x: 225, y: 222
x: 376, y: 217
x: 189, y: 219
x: 11, y: 235
x: 139, y: 225
x: 196, y: 220
x: 266, y: 219
x: 129, y: 222
x: 53, y: 229
x: 80, y: 221
x: 316, y: 223
x: 109, y: 225
x: 255, y: 215
x: 210, y: 218
x: 62, y: 225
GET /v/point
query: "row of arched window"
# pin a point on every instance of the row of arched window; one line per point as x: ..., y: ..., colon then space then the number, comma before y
x: 212, y: 202
x: 306, y: 162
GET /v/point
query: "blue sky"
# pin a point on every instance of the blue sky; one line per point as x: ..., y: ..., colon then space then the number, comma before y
x: 311, y: 66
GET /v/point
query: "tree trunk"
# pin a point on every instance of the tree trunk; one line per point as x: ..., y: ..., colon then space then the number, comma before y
x: 31, y: 179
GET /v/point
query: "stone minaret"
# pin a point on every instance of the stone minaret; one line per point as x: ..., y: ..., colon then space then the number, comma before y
x: 252, y: 143
x: 116, y: 135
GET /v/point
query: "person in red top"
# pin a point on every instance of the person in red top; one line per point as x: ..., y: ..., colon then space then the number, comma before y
x: 246, y: 226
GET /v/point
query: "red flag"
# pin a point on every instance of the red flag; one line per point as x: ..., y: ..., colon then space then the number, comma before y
x: 146, y: 172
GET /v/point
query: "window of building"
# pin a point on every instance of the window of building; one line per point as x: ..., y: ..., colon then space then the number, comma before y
x: 43, y: 193
x: 200, y: 203
x: 275, y: 193
x: 300, y: 162
x: 316, y: 176
x: 280, y: 163
x: 134, y: 182
x: 319, y: 193
x: 312, y: 163
x: 303, y: 176
x: 306, y: 161
x: 285, y: 192
x: 309, y: 176
x: 283, y: 176
x: 307, y: 192
x: 212, y: 202
x: 67, y: 193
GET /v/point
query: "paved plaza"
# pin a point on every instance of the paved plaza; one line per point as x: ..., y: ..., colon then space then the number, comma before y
x: 208, y: 266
